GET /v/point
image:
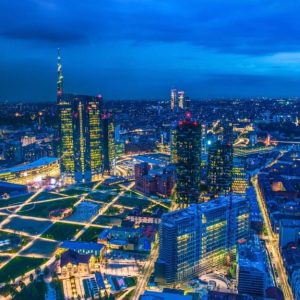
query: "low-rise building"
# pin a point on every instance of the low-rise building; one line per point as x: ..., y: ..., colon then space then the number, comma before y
x: 84, y: 248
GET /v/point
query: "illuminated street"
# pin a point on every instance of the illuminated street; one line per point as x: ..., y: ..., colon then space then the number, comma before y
x: 272, y: 244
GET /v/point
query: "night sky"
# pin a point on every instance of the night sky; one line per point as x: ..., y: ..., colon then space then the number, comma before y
x: 131, y: 49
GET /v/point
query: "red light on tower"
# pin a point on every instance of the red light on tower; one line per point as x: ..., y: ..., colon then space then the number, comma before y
x: 188, y: 115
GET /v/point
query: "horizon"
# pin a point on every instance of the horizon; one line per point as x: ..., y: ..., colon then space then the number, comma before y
x: 133, y: 50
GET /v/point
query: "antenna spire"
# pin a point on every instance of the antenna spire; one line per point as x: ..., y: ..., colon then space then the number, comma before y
x: 60, y: 77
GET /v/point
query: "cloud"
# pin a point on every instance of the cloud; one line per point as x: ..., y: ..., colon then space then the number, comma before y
x: 248, y: 27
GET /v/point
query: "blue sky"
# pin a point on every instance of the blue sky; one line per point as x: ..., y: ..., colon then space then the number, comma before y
x: 143, y: 48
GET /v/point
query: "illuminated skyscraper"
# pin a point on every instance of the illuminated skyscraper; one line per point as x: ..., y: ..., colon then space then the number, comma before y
x: 220, y: 163
x: 173, y: 99
x: 80, y: 134
x: 200, y: 237
x: 60, y: 77
x: 80, y: 137
x: 181, y: 100
x: 186, y: 155
x: 109, y: 151
x: 239, y: 177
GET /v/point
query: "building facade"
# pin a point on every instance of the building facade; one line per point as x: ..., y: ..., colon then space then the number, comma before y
x: 186, y: 155
x: 219, y: 177
x: 109, y: 150
x: 199, y: 238
x: 80, y: 137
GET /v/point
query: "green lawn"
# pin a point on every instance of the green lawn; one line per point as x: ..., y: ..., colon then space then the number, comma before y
x: 42, y: 209
x: 19, y: 266
x: 3, y: 259
x: 62, y: 231
x: 73, y: 192
x: 112, y: 211
x: 16, y: 241
x: 34, y: 291
x: 88, y: 185
x: 91, y: 234
x: 109, y: 221
x: 133, y: 202
x: 46, y: 196
x: 102, y: 197
x: 27, y: 225
x: 102, y: 187
x: 41, y: 247
x: 14, y: 200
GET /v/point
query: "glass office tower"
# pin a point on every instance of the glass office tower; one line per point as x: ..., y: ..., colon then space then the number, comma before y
x: 108, y: 133
x: 199, y: 238
x: 80, y: 137
x: 220, y: 162
x: 186, y: 155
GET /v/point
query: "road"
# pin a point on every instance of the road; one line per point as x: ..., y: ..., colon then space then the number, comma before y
x: 38, y: 236
x: 102, y: 211
x: 272, y: 243
x: 146, y: 273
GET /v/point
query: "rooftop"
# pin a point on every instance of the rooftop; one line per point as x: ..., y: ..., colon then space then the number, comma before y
x: 35, y: 164
x: 81, y: 245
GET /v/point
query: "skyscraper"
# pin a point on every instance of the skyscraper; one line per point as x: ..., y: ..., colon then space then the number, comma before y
x: 108, y: 133
x: 181, y: 100
x: 239, y: 177
x: 200, y: 237
x: 186, y: 155
x: 60, y: 77
x: 80, y: 137
x: 220, y: 162
x: 173, y: 99
x: 80, y: 134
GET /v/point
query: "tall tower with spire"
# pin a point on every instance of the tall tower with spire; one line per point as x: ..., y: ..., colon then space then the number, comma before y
x: 80, y: 134
x: 60, y: 77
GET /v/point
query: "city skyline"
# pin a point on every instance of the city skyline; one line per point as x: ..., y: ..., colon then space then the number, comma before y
x: 147, y: 48
x: 149, y: 149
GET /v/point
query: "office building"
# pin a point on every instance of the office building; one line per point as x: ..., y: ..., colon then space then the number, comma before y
x: 199, y: 238
x: 239, y: 177
x: 220, y: 162
x: 173, y: 102
x: 289, y: 232
x: 161, y: 184
x: 108, y: 142
x: 219, y: 177
x: 33, y: 172
x: 181, y: 100
x: 140, y: 170
x: 252, y: 269
x: 80, y: 134
x: 186, y: 155
x: 80, y: 137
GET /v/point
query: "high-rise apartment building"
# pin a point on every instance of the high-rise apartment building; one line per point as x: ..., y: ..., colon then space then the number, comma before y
x: 186, y: 155
x: 200, y: 237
